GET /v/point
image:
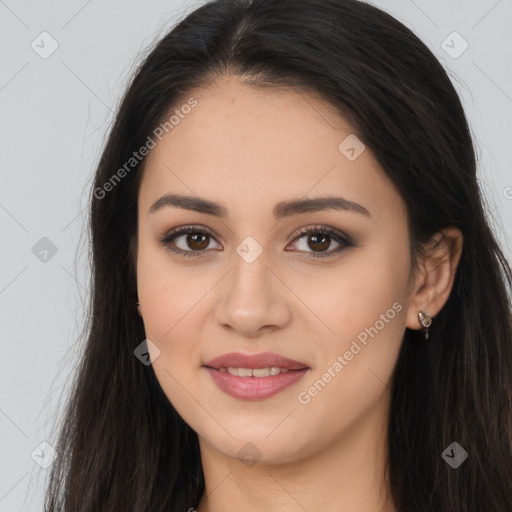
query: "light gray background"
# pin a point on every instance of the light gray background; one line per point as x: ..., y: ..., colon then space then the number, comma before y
x: 55, y: 113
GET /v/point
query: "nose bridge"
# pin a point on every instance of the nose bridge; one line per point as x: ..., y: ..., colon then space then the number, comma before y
x: 252, y: 297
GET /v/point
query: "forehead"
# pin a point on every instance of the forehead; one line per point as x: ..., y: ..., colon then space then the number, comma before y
x: 251, y: 148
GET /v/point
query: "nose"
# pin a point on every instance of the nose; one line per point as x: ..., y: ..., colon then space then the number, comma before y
x: 253, y: 300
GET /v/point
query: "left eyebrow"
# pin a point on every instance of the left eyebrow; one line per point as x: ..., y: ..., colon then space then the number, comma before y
x: 281, y: 210
x: 317, y: 204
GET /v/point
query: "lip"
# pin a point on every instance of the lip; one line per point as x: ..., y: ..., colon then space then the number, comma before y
x: 254, y: 388
x: 262, y: 360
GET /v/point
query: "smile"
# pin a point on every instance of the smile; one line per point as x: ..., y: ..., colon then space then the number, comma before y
x: 254, y: 376
x: 254, y: 387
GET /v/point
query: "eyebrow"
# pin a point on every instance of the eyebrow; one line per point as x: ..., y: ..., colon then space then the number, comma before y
x: 281, y: 210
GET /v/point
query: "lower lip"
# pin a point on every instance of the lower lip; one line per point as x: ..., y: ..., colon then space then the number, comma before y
x: 255, y: 388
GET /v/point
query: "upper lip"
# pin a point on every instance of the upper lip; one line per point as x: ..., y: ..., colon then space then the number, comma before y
x: 262, y: 360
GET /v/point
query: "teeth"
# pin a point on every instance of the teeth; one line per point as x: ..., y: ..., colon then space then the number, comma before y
x: 244, y: 372
x: 256, y: 372
x: 264, y: 372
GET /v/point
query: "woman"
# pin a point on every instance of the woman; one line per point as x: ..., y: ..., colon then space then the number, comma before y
x: 297, y: 301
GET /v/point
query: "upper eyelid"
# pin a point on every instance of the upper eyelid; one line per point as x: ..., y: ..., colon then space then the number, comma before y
x: 344, y: 240
x: 174, y: 233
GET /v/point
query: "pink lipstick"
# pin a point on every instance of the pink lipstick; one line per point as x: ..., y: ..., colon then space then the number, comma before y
x: 254, y: 376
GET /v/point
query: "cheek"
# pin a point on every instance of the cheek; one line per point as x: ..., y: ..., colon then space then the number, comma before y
x: 167, y: 292
x: 172, y: 299
x: 167, y: 300
x: 353, y: 297
x: 366, y: 310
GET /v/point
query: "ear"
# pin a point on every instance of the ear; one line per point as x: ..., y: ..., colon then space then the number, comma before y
x: 434, y: 279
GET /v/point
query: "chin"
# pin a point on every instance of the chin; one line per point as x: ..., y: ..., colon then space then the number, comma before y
x: 256, y: 449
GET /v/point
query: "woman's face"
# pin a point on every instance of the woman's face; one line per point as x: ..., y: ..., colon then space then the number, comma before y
x: 252, y: 283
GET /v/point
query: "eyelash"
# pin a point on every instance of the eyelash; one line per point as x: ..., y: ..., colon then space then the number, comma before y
x: 338, y: 236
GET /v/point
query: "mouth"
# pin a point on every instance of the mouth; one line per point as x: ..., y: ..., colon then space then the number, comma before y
x: 256, y: 376
x: 254, y: 372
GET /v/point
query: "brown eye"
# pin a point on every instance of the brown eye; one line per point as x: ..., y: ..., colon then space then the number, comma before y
x: 194, y: 241
x: 319, y: 239
x: 319, y: 242
x: 197, y: 241
x: 188, y: 241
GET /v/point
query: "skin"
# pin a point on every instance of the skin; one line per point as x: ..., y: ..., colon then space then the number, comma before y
x: 248, y: 150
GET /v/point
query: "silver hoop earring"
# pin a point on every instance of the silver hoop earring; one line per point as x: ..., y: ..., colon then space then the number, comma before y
x: 426, y: 322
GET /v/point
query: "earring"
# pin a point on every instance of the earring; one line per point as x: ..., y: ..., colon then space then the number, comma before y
x: 425, y: 321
